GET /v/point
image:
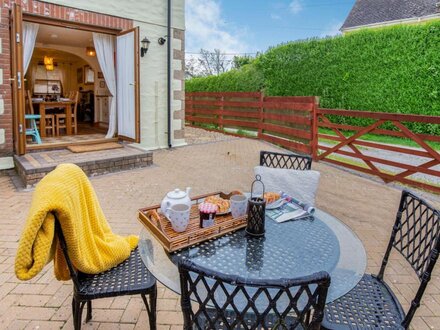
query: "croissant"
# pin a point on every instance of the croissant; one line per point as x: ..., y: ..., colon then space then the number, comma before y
x: 271, y: 197
x: 222, y: 204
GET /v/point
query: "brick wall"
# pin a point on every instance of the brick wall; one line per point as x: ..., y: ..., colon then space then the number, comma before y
x: 70, y: 14
x: 47, y: 10
x: 6, y: 147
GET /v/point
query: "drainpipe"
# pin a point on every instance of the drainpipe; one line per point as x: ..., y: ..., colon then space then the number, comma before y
x: 169, y: 73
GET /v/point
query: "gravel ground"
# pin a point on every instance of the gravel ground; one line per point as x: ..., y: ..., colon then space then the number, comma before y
x: 197, y: 136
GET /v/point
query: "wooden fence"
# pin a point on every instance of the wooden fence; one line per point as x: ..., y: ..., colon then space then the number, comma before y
x: 403, y: 166
x: 294, y: 123
x: 286, y: 121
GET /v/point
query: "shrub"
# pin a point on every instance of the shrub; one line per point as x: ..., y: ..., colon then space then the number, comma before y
x: 246, y: 79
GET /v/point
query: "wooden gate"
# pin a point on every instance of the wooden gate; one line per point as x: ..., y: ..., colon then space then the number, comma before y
x: 351, y: 146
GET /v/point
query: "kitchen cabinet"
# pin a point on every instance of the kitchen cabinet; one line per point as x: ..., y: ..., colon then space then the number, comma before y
x: 102, y: 108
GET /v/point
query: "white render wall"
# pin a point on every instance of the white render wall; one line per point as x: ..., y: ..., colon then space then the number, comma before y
x: 151, y: 17
x: 153, y: 89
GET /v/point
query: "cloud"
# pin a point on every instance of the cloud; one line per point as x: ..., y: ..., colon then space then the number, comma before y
x: 205, y: 28
x: 332, y: 29
x: 275, y: 17
x: 296, y: 6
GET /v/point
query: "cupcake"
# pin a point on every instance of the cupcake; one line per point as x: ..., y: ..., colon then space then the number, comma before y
x: 207, y: 214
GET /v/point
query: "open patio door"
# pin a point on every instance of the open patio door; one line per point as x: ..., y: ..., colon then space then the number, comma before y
x: 17, y: 80
x: 127, y: 85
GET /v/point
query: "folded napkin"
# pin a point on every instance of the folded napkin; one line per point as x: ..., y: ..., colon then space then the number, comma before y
x: 299, y: 184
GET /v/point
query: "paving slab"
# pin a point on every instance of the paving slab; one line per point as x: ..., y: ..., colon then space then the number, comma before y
x: 366, y: 206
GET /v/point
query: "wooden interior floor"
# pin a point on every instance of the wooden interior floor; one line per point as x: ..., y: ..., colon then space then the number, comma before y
x: 86, y: 133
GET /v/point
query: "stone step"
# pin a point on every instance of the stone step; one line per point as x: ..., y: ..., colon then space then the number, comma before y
x: 33, y: 166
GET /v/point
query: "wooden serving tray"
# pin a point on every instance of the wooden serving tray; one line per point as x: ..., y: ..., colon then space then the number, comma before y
x: 172, y: 241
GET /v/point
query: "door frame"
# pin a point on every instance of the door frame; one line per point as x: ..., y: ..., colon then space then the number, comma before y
x: 33, y: 18
x: 17, y: 80
x: 18, y: 97
x: 137, y: 107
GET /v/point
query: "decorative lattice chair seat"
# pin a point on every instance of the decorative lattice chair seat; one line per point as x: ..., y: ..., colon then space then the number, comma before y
x: 368, y: 304
x: 130, y: 276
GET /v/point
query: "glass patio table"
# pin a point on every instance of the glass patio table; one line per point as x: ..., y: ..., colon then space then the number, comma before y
x: 288, y: 250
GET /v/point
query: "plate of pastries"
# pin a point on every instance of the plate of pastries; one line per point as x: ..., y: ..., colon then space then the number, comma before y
x: 224, y: 205
x: 273, y: 200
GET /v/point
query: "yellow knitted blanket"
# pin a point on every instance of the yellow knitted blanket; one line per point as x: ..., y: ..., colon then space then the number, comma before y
x: 92, y: 246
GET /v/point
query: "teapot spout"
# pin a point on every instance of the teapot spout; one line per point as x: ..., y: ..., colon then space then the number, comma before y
x: 188, y: 189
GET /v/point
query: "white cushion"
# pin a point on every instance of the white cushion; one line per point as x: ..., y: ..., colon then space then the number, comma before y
x: 299, y: 184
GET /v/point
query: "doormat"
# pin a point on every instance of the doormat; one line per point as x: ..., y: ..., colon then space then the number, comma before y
x: 95, y: 147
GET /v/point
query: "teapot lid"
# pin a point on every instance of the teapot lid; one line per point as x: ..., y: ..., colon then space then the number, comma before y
x: 176, y: 194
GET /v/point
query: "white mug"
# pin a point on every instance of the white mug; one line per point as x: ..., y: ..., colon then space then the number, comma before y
x: 238, y: 205
x: 178, y: 215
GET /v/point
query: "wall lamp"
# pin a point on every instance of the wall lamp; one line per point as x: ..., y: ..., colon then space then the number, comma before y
x: 90, y: 51
x: 161, y: 41
x: 145, y: 44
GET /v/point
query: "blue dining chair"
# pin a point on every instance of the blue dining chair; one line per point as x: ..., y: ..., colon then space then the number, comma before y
x: 33, y: 130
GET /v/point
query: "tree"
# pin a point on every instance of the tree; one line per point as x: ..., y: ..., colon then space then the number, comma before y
x: 191, y: 68
x: 212, y: 63
x: 207, y: 64
x: 239, y: 61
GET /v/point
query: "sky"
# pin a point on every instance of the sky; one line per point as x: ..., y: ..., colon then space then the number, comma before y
x: 249, y: 26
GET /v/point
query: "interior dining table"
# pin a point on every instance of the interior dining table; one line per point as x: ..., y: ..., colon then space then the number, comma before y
x: 44, y: 105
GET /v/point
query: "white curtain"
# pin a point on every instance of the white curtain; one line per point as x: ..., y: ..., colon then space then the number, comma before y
x: 30, y: 31
x: 126, y: 85
x: 105, y: 50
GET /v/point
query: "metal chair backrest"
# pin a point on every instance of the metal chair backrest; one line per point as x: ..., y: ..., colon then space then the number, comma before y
x: 288, y: 161
x: 63, y: 244
x: 416, y: 235
x: 230, y: 302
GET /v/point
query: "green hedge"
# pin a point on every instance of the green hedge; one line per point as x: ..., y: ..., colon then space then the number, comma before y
x: 246, y: 79
x: 395, y: 69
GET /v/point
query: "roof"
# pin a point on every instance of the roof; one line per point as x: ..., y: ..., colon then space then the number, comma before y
x: 366, y: 12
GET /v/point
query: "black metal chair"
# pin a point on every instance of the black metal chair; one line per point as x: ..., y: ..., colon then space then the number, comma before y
x: 229, y: 302
x: 372, y: 304
x: 288, y: 161
x: 128, y: 278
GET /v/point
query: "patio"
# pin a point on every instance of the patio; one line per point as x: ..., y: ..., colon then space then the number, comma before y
x: 213, y: 162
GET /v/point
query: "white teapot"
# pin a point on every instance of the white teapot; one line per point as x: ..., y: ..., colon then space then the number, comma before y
x: 174, y: 197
